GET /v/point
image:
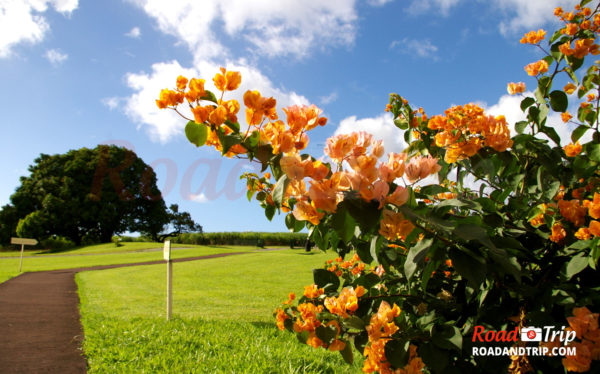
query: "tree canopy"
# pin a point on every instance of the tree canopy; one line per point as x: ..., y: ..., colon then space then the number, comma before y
x: 87, y: 193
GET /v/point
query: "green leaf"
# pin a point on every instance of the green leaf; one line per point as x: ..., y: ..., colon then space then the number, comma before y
x: 579, y: 132
x: 326, y: 280
x: 527, y: 102
x: 435, y: 358
x: 196, y: 133
x: 252, y: 141
x: 326, y: 333
x: 343, y: 224
x: 233, y: 125
x: 559, y: 101
x: 416, y: 255
x: 354, y: 322
x: 469, y: 267
x: 374, y: 247
x: 321, y: 239
x: 347, y: 354
x: 576, y: 265
x: 470, y: 232
x: 279, y: 190
x: 521, y: 126
x: 593, y: 151
x: 228, y: 141
x: 209, y: 96
x: 269, y: 211
x: 448, y: 337
x: 397, y: 352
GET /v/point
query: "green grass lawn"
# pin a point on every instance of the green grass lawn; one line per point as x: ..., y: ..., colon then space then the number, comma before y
x: 95, y: 248
x: 85, y: 257
x: 222, y: 309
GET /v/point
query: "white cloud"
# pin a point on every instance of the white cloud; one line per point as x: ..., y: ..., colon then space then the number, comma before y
x: 509, y: 106
x: 111, y: 103
x: 426, y: 6
x: 199, y: 198
x: 280, y: 28
x: 378, y: 2
x: 23, y: 21
x: 56, y: 57
x: 381, y: 127
x: 422, y: 48
x: 525, y: 15
x: 162, y: 125
x: 134, y: 33
x: 328, y: 99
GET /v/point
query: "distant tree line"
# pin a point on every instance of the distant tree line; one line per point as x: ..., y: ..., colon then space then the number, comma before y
x: 89, y: 195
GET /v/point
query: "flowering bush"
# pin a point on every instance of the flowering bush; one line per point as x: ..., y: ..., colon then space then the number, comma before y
x: 508, y: 236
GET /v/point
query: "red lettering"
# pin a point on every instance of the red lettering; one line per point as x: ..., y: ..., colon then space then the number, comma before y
x: 477, y: 333
x: 501, y: 336
x: 489, y: 336
x: 512, y: 336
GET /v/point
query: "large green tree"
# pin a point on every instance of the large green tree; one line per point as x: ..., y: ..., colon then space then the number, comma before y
x: 87, y: 193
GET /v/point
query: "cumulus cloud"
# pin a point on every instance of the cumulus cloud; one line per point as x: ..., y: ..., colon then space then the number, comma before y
x: 509, y: 106
x: 524, y: 15
x: 134, y: 33
x: 199, y: 198
x: 328, y: 99
x: 56, y: 57
x: 421, y: 48
x: 111, y: 103
x: 281, y: 28
x: 381, y: 127
x: 427, y: 6
x: 162, y: 125
x: 378, y: 3
x: 23, y: 21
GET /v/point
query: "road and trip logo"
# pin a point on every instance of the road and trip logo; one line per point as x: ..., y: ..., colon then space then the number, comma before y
x: 547, y: 334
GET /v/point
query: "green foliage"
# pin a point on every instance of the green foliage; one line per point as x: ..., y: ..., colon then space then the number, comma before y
x: 270, y: 239
x: 89, y: 193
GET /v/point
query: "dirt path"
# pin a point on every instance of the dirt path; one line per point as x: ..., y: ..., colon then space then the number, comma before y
x: 40, y: 331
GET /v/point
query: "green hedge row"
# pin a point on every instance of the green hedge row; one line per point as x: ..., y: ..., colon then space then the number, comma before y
x: 260, y: 239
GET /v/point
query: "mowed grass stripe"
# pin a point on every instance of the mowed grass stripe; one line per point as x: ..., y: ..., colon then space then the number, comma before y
x: 9, y: 267
x: 223, y: 317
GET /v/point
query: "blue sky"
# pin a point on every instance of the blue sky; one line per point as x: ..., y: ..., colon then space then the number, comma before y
x: 79, y: 73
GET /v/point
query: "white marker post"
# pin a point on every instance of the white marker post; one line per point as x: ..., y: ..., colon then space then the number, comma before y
x: 23, y: 242
x: 167, y: 256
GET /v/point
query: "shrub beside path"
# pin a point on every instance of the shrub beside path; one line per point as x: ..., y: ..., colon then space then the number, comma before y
x: 40, y: 328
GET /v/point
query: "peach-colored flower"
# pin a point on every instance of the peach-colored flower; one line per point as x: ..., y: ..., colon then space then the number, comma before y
x: 535, y: 68
x: 558, y: 233
x: 339, y: 146
x: 515, y: 88
x: 394, y: 168
x: 304, y: 211
x: 399, y: 197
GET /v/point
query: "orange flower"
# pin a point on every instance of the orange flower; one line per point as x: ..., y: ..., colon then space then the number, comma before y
x: 181, y: 82
x: 200, y: 114
x: 394, y: 168
x: 533, y: 37
x: 515, y: 88
x: 535, y: 68
x: 583, y: 233
x: 570, y: 29
x: 569, y: 88
x: 227, y: 80
x: 537, y: 220
x: 303, y: 118
x: 324, y: 194
x: 594, y: 207
x: 421, y: 167
x: 580, y: 362
x: 293, y: 166
x: 339, y: 146
x: 394, y: 226
x: 281, y: 317
x: 312, y: 291
x: 399, y: 197
x: 566, y: 116
x: 572, y: 150
x: 169, y: 98
x: 572, y: 211
x: 218, y: 116
x: 257, y: 107
x: 566, y: 49
x: 595, y: 228
x: 304, y: 211
x: 558, y: 233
